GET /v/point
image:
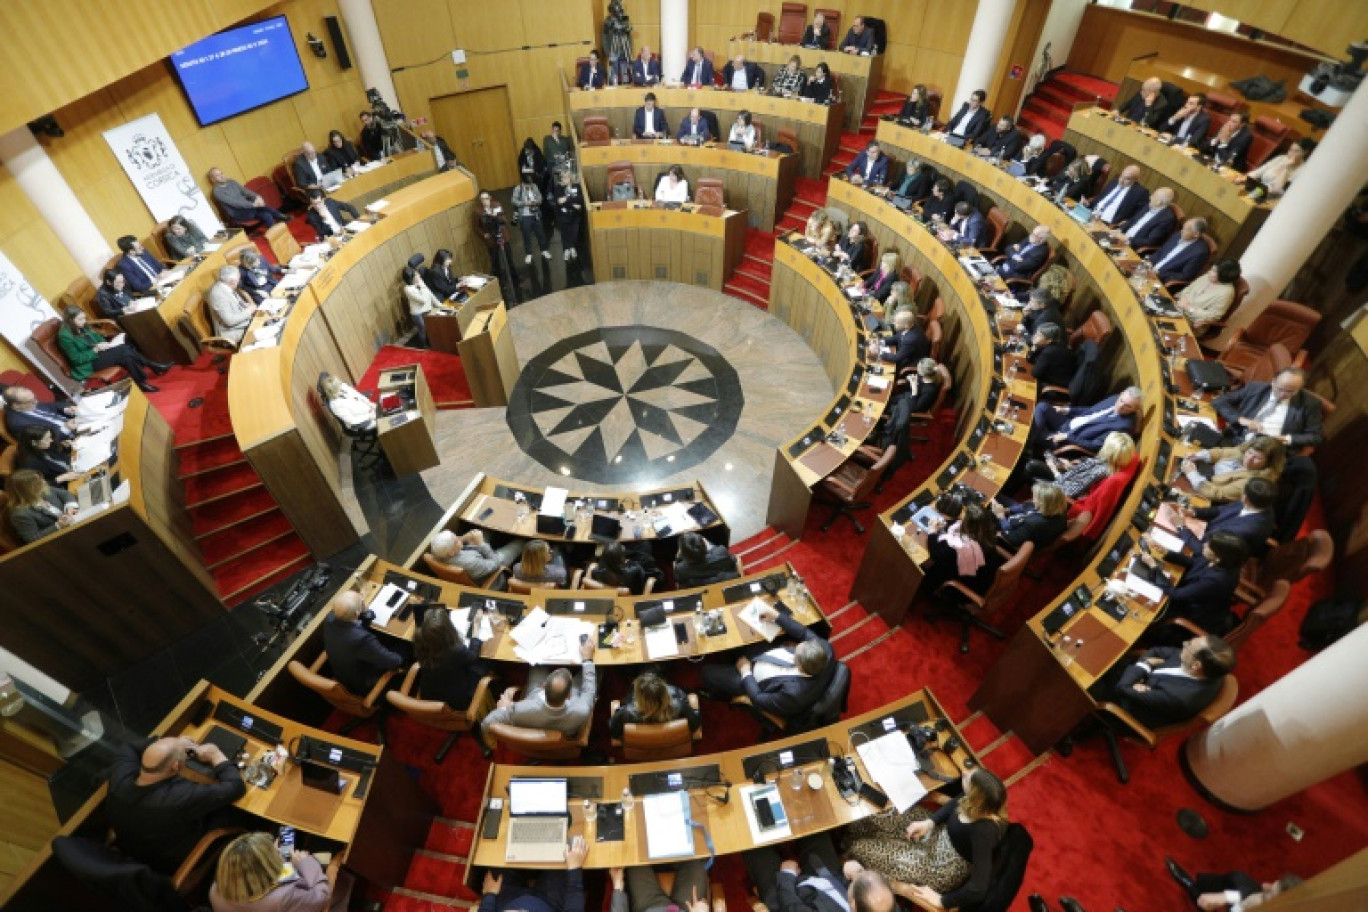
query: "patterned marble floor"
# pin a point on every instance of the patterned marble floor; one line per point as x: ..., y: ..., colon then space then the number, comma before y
x: 634, y: 385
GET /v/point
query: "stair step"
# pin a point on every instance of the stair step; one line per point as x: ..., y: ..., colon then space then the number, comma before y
x: 439, y: 875
x: 755, y: 543
x: 802, y: 208
x: 203, y: 441
x: 205, y: 456
x: 755, y: 269
x: 863, y: 632
x: 749, y: 297
x: 406, y: 900
x: 760, y: 244
x: 238, y: 540
x: 810, y: 189
x: 792, y: 223
x: 450, y: 837
x: 220, y: 514
x: 243, y: 577
x: 220, y: 483
x: 774, y: 559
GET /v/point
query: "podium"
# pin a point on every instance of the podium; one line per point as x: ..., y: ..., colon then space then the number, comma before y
x: 406, y: 435
x: 486, y: 347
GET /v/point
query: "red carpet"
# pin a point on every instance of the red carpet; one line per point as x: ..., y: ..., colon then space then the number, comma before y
x: 1048, y: 107
x: 445, y: 377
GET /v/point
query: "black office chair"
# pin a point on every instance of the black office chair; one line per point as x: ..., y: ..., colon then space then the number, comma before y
x: 825, y: 711
x: 365, y: 440
x: 713, y: 127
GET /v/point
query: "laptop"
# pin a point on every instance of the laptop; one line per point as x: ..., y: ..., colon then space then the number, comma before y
x: 332, y: 179
x: 550, y: 525
x: 538, y: 819
x: 605, y: 528
x: 94, y: 493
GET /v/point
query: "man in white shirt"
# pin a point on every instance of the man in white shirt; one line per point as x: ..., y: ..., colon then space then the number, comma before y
x: 1235, y: 891
x: 740, y: 76
x: 1169, y: 684
x: 1122, y: 198
x: 1278, y: 409
x: 783, y: 681
x: 1151, y: 227
x: 554, y: 701
x: 231, y: 307
x: 308, y: 167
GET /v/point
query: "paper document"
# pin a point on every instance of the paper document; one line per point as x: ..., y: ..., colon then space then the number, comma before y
x: 118, y: 339
x: 553, y: 501
x: 1144, y: 589
x: 559, y: 644
x: 876, y: 383
x: 141, y: 304
x: 893, y: 766
x: 474, y: 281
x: 87, y: 456
x: 377, y: 206
x: 388, y: 600
x: 212, y: 246
x: 173, y: 277
x: 317, y: 250
x: 460, y: 619
x: 357, y: 226
x: 669, y: 825
x: 661, y: 642
x: 751, y: 615
x: 531, y: 630
x: 1166, y: 540
x: 1007, y: 300
x: 303, y: 261
x: 750, y: 794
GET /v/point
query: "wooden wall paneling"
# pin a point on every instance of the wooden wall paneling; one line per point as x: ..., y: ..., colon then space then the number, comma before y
x: 1028, y: 21
x: 30, y: 820
x: 1327, y: 27
x: 261, y: 138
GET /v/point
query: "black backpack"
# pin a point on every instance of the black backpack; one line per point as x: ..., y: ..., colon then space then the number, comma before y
x: 1328, y: 620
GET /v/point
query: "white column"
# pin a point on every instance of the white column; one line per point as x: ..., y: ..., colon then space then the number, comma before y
x: 1304, y: 216
x: 1304, y: 728
x: 987, y: 39
x: 55, y: 201
x: 368, y: 50
x: 674, y: 37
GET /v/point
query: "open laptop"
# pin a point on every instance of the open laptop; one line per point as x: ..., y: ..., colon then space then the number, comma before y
x: 605, y: 528
x: 538, y: 818
x: 332, y: 179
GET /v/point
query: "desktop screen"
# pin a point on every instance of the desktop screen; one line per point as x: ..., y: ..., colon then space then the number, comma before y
x: 240, y: 69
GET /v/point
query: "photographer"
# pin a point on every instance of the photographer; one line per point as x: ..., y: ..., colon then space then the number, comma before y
x: 492, y: 224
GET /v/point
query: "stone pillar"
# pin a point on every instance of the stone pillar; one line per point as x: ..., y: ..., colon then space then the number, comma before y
x: 987, y: 39
x: 1304, y: 728
x: 54, y: 199
x: 1306, y: 213
x: 366, y: 47
x: 674, y: 37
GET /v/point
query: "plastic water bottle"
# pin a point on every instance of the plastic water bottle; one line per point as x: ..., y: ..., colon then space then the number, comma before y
x: 628, y: 799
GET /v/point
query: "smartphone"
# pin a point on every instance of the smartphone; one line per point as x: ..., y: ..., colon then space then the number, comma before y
x: 681, y: 631
x: 873, y: 796
x: 286, y: 842
x: 584, y: 638
x: 486, y: 513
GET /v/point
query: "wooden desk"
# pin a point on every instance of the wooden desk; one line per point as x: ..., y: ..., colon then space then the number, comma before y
x: 859, y: 77
x: 401, y: 170
x: 447, y: 325
x: 1233, y: 217
x: 808, y: 811
x: 638, y: 240
x: 408, y: 437
x: 818, y: 127
x: 1195, y: 79
x: 488, y: 356
x: 761, y: 184
x: 599, y: 604
x: 156, y: 331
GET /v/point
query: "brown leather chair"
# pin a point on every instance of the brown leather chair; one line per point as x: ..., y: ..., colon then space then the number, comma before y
x: 1221, y: 103
x: 1291, y: 562
x: 1097, y: 327
x: 873, y: 256
x: 935, y: 97
x: 935, y: 336
x: 197, y: 325
x: 792, y: 22
x: 649, y: 742
x: 587, y: 581
x: 913, y: 277
x: 1053, y: 165
x: 283, y: 243
x: 457, y: 575
x: 1284, y: 321
x: 785, y: 136
x: 525, y: 588
x: 974, y: 610
x: 1225, y: 700
x: 45, y: 336
x: 101, y: 866
x: 710, y: 192
x: 359, y: 707
x: 1269, y: 365
x: 292, y: 188
x: 155, y: 243
x: 436, y: 714
x: 1259, y: 614
x: 596, y: 131
x: 252, y: 227
x: 833, y: 21
x: 764, y: 26
x: 998, y: 223
x: 266, y: 188
x: 851, y: 486
x: 81, y: 293
x: 1268, y: 134
x: 541, y: 745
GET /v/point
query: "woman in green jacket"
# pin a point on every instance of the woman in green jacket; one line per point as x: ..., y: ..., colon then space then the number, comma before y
x: 87, y: 352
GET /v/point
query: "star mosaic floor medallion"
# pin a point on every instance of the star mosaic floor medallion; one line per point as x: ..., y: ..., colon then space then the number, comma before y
x: 625, y: 404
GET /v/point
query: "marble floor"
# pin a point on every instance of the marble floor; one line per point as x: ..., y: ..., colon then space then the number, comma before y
x: 629, y: 386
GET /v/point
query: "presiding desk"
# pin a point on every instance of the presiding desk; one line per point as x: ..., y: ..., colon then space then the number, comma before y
x: 808, y: 810
x: 1195, y: 79
x: 693, y: 245
x: 857, y: 76
x: 761, y: 183
x: 395, y: 174
x: 818, y: 127
x: 407, y: 435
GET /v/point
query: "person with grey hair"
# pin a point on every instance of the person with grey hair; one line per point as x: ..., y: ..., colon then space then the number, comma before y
x: 1086, y: 426
x: 1183, y: 257
x: 554, y: 700
x: 356, y: 656
x: 782, y: 680
x: 230, y: 305
x: 259, y: 278
x: 1052, y: 361
x: 481, y: 563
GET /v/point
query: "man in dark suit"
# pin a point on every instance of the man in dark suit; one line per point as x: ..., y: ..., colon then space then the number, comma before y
x: 327, y: 216
x: 308, y: 168
x: 1002, y: 143
x: 1022, y: 259
x: 972, y: 121
x: 1189, y: 124
x: 817, y: 36
x: 1148, y: 107
x: 1281, y: 409
x: 649, y: 122
x: 590, y: 74
x: 441, y: 152
x: 357, y: 657
x: 966, y: 227
x: 22, y: 409
x: 870, y: 167
x: 818, y: 882
x: 646, y: 68
x: 1085, y: 426
x: 1052, y: 361
x: 694, y: 128
x: 742, y: 76
x: 1122, y: 199
x: 1228, y: 891
x: 860, y: 38
x: 699, y: 70
x: 1206, y: 591
x: 908, y: 344
x: 1183, y: 257
x: 1171, y: 684
x: 372, y: 137
x: 1250, y: 519
x: 783, y: 681
x: 1230, y: 145
x: 1152, y: 226
x: 141, y: 270
x: 1041, y: 308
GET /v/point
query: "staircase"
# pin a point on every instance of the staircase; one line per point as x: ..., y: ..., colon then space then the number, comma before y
x: 1048, y: 107
x: 436, y: 876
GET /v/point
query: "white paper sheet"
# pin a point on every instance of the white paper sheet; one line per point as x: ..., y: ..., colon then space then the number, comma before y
x: 141, y: 304
x: 751, y: 615
x: 297, y: 279
x: 893, y: 766
x: 377, y: 206
x: 769, y: 792
x: 1166, y: 540
x: 1143, y: 589
x: 89, y: 455
x: 386, y: 603
x: 661, y: 642
x: 356, y: 226
x: 531, y: 630
x: 669, y: 825
x: 460, y: 619
x: 877, y: 383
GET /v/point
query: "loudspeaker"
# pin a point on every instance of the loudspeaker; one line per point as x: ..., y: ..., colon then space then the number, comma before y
x: 338, y: 42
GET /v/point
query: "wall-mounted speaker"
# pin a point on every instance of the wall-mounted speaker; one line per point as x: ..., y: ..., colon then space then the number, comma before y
x: 339, y: 42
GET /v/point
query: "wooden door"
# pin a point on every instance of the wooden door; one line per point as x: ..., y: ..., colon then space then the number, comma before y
x: 479, y: 127
x: 1026, y: 30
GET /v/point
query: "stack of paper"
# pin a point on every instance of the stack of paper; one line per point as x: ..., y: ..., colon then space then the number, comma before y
x: 876, y: 383
x: 669, y: 825
x: 296, y: 279
x: 212, y: 246
x: 893, y: 766
x: 460, y: 619
x: 1185, y: 420
x: 661, y: 642
x: 474, y: 281
x: 544, y: 640
x: 1165, y: 540
x: 377, y: 206
x: 553, y: 501
x: 1144, y: 589
x: 751, y: 615
x: 141, y: 304
x: 356, y: 226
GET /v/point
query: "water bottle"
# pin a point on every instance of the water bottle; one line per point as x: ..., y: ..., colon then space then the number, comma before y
x: 699, y: 626
x: 628, y: 799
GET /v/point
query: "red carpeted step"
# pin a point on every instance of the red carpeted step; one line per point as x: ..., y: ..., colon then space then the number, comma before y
x: 439, y: 875
x: 1050, y: 108
x: 802, y: 208
x: 239, y: 539
x: 197, y: 458
x: 772, y: 560
x: 756, y: 269
x: 220, y: 483
x: 242, y: 578
x: 443, y: 372
x: 758, y: 538
x: 853, y: 141
x: 1086, y: 87
x: 791, y: 223
x: 864, y: 631
x: 404, y: 900
x: 763, y: 549
x: 845, y: 617
x: 1009, y: 758
x: 1055, y: 96
x: 760, y: 244
x: 888, y: 95
x: 814, y: 191
x: 1051, y: 129
x: 219, y: 514
x: 450, y: 837
x: 748, y: 289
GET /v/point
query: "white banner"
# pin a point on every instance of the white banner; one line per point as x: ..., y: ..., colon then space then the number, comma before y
x: 160, y: 174
x: 22, y: 310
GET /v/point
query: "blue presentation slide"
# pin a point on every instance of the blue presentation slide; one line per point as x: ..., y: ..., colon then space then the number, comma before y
x: 240, y: 69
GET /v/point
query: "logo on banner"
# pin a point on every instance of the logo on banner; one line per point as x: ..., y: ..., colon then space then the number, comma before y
x: 149, y: 158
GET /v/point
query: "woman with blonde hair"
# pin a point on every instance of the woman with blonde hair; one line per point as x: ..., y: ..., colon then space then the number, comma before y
x: 1058, y: 281
x: 249, y: 877
x: 1041, y: 521
x: 540, y: 563
x: 346, y: 403
x: 1122, y: 461
x: 1076, y: 480
x: 1233, y: 467
x: 820, y: 230
x: 880, y: 284
x: 942, y: 860
x: 652, y: 701
x: 36, y: 510
x: 899, y: 298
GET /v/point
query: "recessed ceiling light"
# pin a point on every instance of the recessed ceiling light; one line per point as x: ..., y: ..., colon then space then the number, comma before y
x: 565, y: 470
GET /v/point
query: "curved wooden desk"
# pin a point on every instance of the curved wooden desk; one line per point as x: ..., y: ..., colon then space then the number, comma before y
x: 808, y: 811
x: 859, y: 77
x: 761, y: 184
x: 818, y: 127
x: 691, y: 245
x: 400, y: 171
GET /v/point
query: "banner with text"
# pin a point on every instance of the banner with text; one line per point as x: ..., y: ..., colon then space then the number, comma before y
x: 22, y: 310
x: 160, y: 174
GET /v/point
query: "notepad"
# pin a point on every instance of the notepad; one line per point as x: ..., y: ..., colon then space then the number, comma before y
x: 750, y: 614
x: 1144, y: 589
x: 661, y: 642
x: 669, y: 825
x: 1166, y: 540
x: 890, y: 762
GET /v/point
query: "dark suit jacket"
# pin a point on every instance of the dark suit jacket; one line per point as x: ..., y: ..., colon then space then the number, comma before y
x: 1303, y: 422
x: 1196, y: 135
x: 1003, y: 145
x: 880, y: 284
x: 373, y: 141
x: 449, y: 159
x: 646, y: 72
x: 1236, y: 152
x: 1155, y: 230
x: 345, y: 157
x: 1187, y: 265
x: 112, y: 303
x: 1023, y: 259
x: 863, y: 41
x: 858, y: 252
x: 916, y: 186
x: 1031, y: 319
x: 303, y: 174
x: 789, y: 695
x: 815, y: 39
x: 1091, y: 435
x: 442, y: 284
x: 356, y: 656
x: 1153, y: 116
x: 1133, y: 201
x: 137, y: 280
x: 795, y: 895
x: 662, y: 126
x: 454, y: 679
x: 908, y: 347
x: 49, y: 415
x: 755, y: 77
x: 337, y: 209
x: 1024, y: 523
x: 1204, y: 595
x: 878, y: 177
x: 705, y: 73
x: 717, y: 565
x: 819, y: 92
x: 971, y: 229
x: 1052, y: 365
x: 1255, y: 528
x: 687, y: 128
x: 590, y: 79
x: 1170, y: 698
x: 915, y: 112
x: 980, y: 123
x: 32, y: 523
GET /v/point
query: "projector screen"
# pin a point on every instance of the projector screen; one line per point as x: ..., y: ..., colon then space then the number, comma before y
x: 240, y: 69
